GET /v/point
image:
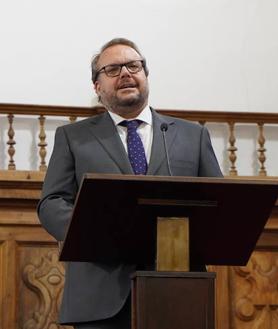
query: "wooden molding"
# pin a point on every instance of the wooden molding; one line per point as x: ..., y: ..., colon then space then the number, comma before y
x: 194, y: 115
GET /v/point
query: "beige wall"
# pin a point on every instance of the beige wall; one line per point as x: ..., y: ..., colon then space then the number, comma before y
x: 203, y: 54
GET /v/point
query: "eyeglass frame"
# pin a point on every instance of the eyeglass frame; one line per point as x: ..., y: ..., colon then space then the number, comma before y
x: 143, y: 62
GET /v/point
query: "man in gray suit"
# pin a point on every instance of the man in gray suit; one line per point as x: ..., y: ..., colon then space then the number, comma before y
x: 97, y: 295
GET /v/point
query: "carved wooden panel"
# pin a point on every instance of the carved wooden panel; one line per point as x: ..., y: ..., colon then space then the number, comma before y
x: 254, y: 292
x: 31, y: 277
x: 247, y: 297
x: 32, y: 280
x: 40, y: 287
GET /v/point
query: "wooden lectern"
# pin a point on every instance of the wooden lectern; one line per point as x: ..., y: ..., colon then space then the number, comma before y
x: 177, y: 223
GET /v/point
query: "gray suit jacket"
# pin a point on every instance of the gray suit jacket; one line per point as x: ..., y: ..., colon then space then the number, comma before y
x: 96, y: 291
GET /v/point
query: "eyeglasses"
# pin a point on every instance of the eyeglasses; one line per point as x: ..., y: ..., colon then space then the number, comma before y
x: 114, y: 70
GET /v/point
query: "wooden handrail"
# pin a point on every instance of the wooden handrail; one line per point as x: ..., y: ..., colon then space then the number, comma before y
x: 194, y: 115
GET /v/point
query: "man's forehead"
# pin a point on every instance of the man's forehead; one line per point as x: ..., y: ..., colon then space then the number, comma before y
x: 117, y: 54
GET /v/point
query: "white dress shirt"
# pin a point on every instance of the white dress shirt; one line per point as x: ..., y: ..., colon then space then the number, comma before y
x: 145, y: 130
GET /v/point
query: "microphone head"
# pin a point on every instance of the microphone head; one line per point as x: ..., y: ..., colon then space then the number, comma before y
x: 164, y: 127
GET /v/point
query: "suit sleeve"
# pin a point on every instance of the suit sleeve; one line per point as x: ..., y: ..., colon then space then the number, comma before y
x: 59, y: 188
x: 208, y: 164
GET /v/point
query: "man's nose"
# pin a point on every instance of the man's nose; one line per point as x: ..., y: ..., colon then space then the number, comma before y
x: 124, y: 71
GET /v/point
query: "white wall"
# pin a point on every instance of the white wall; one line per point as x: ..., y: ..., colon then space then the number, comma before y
x: 202, y: 54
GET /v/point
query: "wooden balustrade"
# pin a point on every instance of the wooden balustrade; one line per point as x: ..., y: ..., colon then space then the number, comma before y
x: 231, y: 119
x: 232, y: 149
x: 11, y: 142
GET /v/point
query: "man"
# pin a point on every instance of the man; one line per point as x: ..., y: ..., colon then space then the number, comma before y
x: 97, y: 295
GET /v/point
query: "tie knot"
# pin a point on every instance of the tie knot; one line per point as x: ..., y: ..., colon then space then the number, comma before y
x: 131, y: 124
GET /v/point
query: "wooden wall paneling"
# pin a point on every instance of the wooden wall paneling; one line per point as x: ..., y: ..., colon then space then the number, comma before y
x: 247, y: 296
x: 32, y: 278
x: 8, y: 284
x: 254, y: 292
x: 222, y: 302
x: 40, y: 286
x: 253, y: 289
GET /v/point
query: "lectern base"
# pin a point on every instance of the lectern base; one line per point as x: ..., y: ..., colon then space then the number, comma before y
x: 173, y: 300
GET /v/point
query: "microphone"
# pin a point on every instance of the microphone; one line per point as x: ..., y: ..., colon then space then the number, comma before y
x: 164, y: 128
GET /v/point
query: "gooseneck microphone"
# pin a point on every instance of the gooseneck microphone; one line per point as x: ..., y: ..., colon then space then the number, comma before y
x: 164, y: 128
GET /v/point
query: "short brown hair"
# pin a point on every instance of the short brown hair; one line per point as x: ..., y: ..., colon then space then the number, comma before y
x: 114, y: 42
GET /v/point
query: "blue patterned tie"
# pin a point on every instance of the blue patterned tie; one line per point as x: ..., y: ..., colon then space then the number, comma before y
x: 135, y: 148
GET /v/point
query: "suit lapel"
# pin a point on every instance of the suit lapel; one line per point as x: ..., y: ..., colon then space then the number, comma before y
x: 104, y: 130
x: 158, y: 154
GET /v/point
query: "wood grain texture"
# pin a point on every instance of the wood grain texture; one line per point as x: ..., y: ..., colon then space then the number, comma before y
x: 172, y: 244
x: 31, y: 278
x: 255, y: 292
x: 247, y: 296
x: 194, y: 115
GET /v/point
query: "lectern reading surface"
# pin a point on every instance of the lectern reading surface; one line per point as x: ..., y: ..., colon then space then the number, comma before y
x: 114, y: 217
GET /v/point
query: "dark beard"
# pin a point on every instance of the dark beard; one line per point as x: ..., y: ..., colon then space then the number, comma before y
x: 128, y: 102
x: 132, y: 102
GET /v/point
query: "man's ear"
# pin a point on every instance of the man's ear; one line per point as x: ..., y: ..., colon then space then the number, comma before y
x: 96, y: 87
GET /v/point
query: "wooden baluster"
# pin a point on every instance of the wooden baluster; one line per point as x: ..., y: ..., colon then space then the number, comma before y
x: 72, y: 119
x: 42, y: 144
x: 11, y: 142
x: 232, y: 149
x: 261, y: 150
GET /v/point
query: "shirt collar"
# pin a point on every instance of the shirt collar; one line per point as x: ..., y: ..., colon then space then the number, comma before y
x: 145, y: 116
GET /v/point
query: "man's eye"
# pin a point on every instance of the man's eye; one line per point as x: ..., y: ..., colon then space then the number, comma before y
x: 133, y: 66
x: 112, y: 69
